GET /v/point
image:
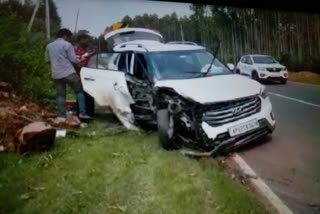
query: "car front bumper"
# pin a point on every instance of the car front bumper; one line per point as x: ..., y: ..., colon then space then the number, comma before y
x: 265, y: 118
x: 266, y: 75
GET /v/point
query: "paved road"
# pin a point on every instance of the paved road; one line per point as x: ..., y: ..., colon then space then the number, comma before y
x: 289, y: 160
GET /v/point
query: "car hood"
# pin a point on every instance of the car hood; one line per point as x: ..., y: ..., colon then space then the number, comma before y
x: 277, y: 65
x: 213, y: 89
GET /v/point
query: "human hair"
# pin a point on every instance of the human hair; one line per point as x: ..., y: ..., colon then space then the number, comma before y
x: 64, y: 32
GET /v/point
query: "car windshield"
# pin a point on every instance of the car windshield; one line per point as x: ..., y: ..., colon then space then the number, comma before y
x: 185, y: 64
x: 263, y: 60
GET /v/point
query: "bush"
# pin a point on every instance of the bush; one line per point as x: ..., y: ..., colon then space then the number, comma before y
x: 22, y: 60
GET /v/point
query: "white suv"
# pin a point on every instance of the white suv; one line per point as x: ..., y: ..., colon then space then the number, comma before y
x: 193, y: 98
x: 262, y: 67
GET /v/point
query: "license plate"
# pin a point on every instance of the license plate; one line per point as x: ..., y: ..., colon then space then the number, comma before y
x: 244, y: 127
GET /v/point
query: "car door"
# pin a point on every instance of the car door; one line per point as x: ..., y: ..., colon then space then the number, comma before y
x: 249, y: 64
x: 104, y: 79
x: 243, y: 66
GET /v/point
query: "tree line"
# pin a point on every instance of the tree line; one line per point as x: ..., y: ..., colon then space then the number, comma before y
x: 291, y: 37
x: 22, y: 53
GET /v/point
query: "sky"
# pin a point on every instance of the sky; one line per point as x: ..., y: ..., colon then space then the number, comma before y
x: 96, y: 15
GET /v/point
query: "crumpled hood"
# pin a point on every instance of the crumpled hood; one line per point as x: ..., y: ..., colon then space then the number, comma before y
x: 213, y: 89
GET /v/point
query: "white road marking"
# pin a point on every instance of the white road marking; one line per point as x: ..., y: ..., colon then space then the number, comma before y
x: 294, y: 99
x: 262, y: 188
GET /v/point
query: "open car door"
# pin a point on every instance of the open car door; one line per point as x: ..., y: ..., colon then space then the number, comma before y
x: 104, y: 79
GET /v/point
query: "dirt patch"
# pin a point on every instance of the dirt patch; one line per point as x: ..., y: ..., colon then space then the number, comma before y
x: 304, y: 74
x: 15, y: 113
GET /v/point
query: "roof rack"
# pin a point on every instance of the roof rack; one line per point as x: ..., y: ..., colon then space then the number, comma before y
x: 183, y: 42
x: 137, y: 44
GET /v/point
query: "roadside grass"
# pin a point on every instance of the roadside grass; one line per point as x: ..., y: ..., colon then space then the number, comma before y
x: 102, y: 169
x: 305, y: 77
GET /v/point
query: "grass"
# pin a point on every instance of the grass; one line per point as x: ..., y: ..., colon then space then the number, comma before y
x: 104, y: 170
x: 305, y: 77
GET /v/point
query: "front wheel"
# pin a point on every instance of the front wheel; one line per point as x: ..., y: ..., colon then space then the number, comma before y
x: 255, y: 76
x: 165, y: 129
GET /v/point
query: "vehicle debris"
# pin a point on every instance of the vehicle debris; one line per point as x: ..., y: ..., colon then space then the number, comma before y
x: 36, y: 136
x: 61, y: 133
x: 70, y: 122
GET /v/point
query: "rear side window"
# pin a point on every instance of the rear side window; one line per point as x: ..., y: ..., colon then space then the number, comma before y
x: 104, y: 61
x: 247, y: 60
x: 243, y: 60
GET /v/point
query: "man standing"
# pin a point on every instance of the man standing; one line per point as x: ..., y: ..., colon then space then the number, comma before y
x: 61, y: 55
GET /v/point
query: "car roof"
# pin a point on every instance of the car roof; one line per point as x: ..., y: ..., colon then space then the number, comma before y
x: 154, y: 46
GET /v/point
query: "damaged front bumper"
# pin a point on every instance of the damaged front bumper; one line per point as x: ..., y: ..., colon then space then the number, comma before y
x: 217, y: 139
x: 232, y: 143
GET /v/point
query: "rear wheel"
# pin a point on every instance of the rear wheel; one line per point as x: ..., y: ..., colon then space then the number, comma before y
x: 165, y: 129
x: 255, y: 76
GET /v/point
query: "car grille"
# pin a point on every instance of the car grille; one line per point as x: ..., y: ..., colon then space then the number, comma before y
x: 226, y: 112
x: 274, y: 69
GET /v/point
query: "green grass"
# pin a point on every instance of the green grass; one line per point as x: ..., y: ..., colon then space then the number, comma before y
x: 105, y: 170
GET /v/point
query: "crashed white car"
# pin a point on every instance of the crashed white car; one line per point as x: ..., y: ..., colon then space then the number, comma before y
x: 262, y: 67
x: 193, y: 98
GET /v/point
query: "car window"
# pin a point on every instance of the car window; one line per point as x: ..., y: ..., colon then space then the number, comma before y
x: 125, y: 61
x: 140, y: 66
x: 92, y: 63
x: 248, y: 60
x: 104, y: 61
x: 243, y: 60
x: 264, y: 60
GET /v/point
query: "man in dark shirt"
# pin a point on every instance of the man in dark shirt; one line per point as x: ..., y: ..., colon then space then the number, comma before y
x: 61, y: 55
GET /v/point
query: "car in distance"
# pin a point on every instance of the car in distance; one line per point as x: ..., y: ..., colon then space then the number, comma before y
x: 262, y: 67
x: 193, y: 99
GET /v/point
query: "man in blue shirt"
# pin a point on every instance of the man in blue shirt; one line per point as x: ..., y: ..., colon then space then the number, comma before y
x: 61, y: 55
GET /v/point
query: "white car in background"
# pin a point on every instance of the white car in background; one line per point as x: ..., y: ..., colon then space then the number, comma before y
x: 193, y: 98
x: 262, y: 67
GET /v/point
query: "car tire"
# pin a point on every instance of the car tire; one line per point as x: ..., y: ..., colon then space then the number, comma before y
x: 255, y: 76
x: 165, y: 129
x: 283, y: 81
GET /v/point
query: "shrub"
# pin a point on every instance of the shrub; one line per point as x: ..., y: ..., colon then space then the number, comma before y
x: 22, y: 60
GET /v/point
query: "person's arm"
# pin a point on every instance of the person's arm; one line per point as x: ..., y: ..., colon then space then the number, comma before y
x: 71, y: 55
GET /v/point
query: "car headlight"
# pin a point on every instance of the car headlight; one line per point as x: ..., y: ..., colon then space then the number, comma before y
x: 284, y: 69
x: 263, y: 93
x: 262, y: 68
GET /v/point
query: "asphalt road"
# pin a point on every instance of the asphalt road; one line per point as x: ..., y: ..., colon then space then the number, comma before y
x: 289, y: 159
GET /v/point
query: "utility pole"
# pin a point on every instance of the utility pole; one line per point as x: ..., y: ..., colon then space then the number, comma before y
x: 48, y: 19
x: 75, y: 27
x: 33, y: 14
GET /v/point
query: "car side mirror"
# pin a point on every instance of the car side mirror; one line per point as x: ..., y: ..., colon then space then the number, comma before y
x: 231, y: 66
